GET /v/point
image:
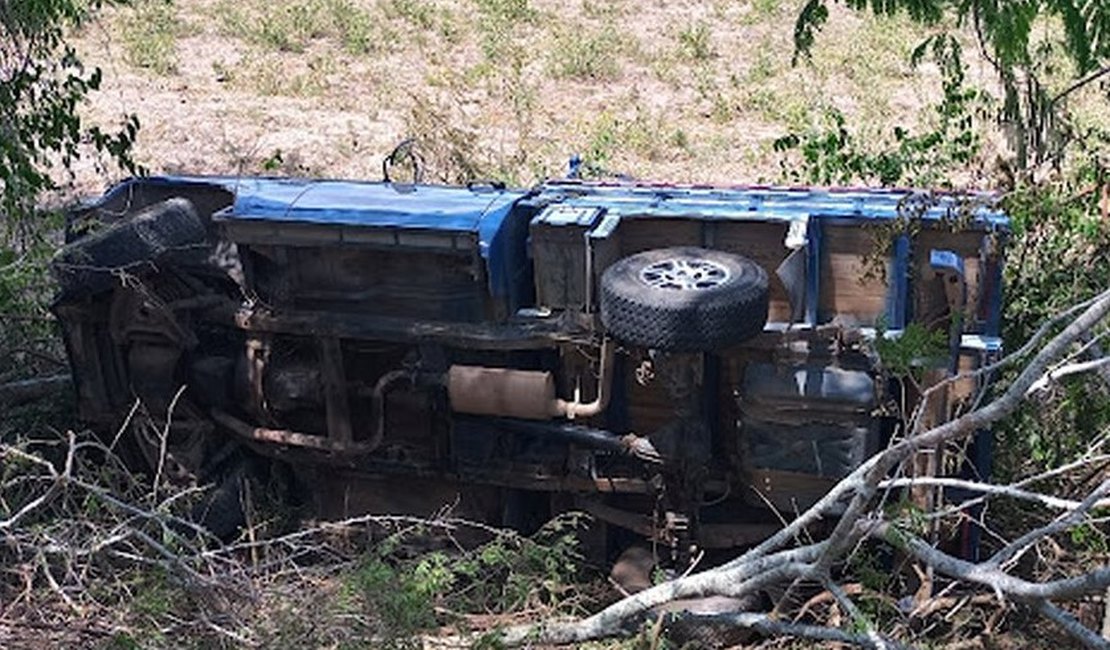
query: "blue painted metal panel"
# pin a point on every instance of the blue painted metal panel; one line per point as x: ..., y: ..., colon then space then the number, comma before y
x: 482, y: 211
x: 899, y: 281
x: 499, y: 217
x: 380, y: 205
x: 759, y: 202
x: 814, y: 243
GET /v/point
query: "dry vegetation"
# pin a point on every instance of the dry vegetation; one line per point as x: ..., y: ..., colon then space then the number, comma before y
x: 682, y: 92
x: 502, y: 89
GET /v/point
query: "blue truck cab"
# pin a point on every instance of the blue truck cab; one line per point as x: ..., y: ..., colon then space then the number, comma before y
x: 687, y: 364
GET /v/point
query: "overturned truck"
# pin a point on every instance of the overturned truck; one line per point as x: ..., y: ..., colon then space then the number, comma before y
x: 687, y: 364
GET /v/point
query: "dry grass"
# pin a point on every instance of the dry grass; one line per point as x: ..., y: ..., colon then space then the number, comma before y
x: 680, y: 92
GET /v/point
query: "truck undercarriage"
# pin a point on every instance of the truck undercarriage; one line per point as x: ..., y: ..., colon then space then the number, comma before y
x: 688, y: 365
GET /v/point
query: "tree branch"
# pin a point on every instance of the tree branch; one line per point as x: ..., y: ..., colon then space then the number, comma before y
x: 1073, y: 627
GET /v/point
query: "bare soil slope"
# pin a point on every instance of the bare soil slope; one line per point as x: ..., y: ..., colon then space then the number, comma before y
x: 506, y: 89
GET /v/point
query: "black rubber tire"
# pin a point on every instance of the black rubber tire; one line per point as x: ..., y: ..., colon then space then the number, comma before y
x: 691, y: 320
x: 221, y: 511
x: 165, y: 229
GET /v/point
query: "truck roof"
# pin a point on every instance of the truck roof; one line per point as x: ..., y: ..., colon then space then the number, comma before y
x: 481, y: 208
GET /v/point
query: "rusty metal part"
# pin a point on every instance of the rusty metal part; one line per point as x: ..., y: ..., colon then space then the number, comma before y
x: 588, y: 437
x: 256, y: 358
x: 378, y: 401
x: 526, y: 394
x: 475, y: 336
x: 337, y: 409
x: 707, y: 535
x: 138, y: 311
x: 577, y: 409
x: 342, y: 444
x: 285, y: 437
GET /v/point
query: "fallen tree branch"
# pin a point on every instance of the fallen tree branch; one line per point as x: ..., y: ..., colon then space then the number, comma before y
x: 765, y: 624
x: 1011, y: 491
x: 1056, y: 374
x: 990, y: 575
x: 1073, y: 627
x: 1016, y: 547
x: 768, y: 563
x: 27, y: 390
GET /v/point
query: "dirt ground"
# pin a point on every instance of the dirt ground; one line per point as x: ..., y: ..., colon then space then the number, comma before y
x: 672, y: 91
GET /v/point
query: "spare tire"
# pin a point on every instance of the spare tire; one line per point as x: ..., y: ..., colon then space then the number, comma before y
x: 684, y: 299
x: 169, y: 229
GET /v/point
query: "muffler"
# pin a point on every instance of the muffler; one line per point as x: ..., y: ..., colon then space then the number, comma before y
x: 524, y: 394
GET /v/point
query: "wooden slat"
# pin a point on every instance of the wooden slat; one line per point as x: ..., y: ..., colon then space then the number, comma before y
x: 639, y: 235
x: 788, y: 492
x: 847, y: 294
x: 762, y: 242
x: 965, y: 244
x: 335, y: 390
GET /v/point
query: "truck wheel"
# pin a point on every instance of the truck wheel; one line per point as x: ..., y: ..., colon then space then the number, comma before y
x: 684, y: 299
x: 170, y: 228
x: 222, y: 512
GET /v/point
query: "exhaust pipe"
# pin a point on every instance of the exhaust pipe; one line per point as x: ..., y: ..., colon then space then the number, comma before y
x: 524, y: 394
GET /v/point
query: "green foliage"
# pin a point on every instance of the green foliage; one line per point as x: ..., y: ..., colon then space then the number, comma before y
x: 1060, y: 256
x: 586, y: 54
x: 696, y: 41
x: 509, y: 573
x: 1091, y: 539
x: 913, y: 351
x: 150, y: 29
x: 291, y: 25
x: 1060, y: 250
x: 1007, y: 26
x: 1005, y: 29
x: 499, y: 23
x: 400, y: 604
x: 833, y: 155
x: 42, y: 84
x: 644, y: 133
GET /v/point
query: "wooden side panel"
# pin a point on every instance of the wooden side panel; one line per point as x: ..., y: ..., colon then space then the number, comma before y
x: 761, y: 241
x: 787, y: 492
x: 397, y: 282
x: 639, y: 235
x: 848, y: 294
x: 962, y: 391
x: 967, y: 245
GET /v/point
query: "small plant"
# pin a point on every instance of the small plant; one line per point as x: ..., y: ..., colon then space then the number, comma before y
x: 270, y: 75
x: 586, y: 55
x: 509, y: 573
x: 908, y: 355
x: 832, y: 154
x: 356, y: 29
x: 764, y: 8
x: 290, y: 26
x: 420, y: 14
x: 150, y: 29
x: 696, y: 42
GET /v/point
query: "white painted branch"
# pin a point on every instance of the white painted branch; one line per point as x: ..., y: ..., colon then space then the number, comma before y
x: 1073, y: 627
x: 991, y: 576
x: 1018, y: 546
x: 773, y: 627
x: 1004, y: 490
x: 1056, y: 374
x: 767, y: 564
